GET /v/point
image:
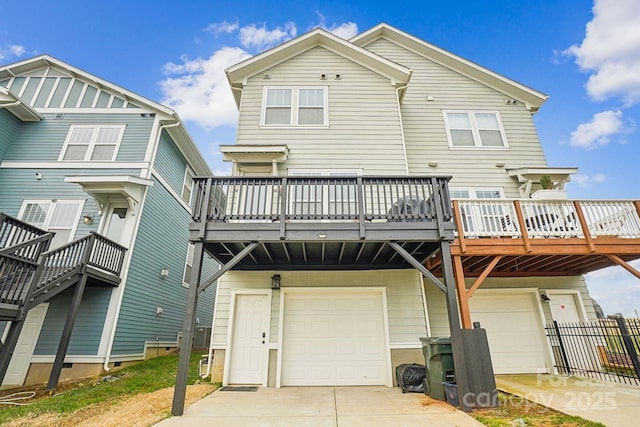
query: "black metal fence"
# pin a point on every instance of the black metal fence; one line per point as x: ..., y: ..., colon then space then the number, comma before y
x: 606, y: 349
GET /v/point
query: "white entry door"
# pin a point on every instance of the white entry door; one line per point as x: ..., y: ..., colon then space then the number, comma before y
x: 249, y: 339
x: 581, y: 351
x: 21, y: 360
x: 564, y: 308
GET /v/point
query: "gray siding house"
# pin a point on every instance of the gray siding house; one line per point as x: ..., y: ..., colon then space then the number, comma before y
x: 92, y: 162
x: 336, y: 230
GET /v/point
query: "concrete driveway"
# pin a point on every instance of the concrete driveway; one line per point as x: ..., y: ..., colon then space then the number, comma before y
x: 320, y: 406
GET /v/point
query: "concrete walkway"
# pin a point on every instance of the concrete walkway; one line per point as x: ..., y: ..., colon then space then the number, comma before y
x: 320, y: 406
x: 609, y: 403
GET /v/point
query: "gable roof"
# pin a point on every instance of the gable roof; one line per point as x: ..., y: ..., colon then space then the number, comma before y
x: 17, y: 107
x: 38, y: 62
x: 167, y: 116
x: 528, y: 96
x: 239, y: 73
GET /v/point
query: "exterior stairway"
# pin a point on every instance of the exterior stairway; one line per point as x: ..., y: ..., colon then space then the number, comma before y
x: 31, y: 274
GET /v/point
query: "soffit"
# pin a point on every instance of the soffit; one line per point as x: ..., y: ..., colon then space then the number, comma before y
x: 17, y: 107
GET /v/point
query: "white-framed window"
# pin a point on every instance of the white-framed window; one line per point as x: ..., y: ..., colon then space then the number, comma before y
x: 474, y: 129
x: 59, y: 216
x: 334, y: 199
x: 92, y: 142
x: 188, y: 265
x: 187, y: 185
x: 476, y: 193
x: 481, y: 217
x: 294, y: 106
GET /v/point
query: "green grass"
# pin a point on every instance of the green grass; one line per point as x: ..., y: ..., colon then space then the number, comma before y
x: 143, y: 377
x: 521, y: 412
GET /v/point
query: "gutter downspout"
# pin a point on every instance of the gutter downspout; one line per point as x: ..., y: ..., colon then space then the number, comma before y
x: 404, y: 145
x: 11, y: 104
x: 210, y: 355
x: 112, y: 335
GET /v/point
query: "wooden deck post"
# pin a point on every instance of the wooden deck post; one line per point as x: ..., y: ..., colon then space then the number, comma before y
x: 523, y: 225
x: 457, y: 218
x: 457, y: 341
x: 463, y: 299
x: 187, y: 331
x: 66, y: 333
x: 584, y: 226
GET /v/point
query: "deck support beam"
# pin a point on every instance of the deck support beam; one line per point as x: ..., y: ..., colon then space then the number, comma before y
x: 54, y: 377
x: 186, y: 345
x: 189, y: 326
x: 418, y: 266
x: 622, y: 263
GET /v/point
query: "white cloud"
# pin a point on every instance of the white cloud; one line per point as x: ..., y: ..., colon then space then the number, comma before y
x: 11, y: 51
x: 222, y: 27
x: 198, y: 89
x: 345, y: 30
x: 598, y: 131
x: 587, y: 181
x: 260, y: 38
x: 611, y: 51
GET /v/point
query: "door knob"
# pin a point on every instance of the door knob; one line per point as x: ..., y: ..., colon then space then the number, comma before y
x: 264, y: 335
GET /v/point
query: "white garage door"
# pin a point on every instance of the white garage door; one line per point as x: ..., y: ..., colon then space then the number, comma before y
x: 513, y: 331
x: 334, y: 338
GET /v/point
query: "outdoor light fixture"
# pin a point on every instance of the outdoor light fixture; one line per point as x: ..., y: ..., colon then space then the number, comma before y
x: 87, y: 219
x: 38, y: 176
x: 322, y: 235
x: 275, y: 281
x: 164, y: 272
x: 543, y: 296
x: 433, y: 164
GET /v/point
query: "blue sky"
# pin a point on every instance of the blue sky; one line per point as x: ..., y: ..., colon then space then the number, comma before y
x: 585, y: 56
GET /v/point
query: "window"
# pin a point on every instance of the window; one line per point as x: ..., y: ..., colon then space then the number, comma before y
x: 478, y: 217
x: 98, y: 143
x: 295, y: 106
x: 188, y: 265
x: 331, y: 199
x: 187, y: 185
x: 474, y: 129
x: 59, y: 216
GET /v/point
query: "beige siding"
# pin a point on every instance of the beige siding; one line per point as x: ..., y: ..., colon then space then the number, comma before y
x: 436, y: 303
x: 425, y: 134
x: 364, y: 121
x: 404, y: 297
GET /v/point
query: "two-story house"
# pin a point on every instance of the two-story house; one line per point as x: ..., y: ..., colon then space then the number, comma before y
x: 337, y: 233
x: 95, y: 186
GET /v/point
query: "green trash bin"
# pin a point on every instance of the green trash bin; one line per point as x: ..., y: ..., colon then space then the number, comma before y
x: 438, y: 359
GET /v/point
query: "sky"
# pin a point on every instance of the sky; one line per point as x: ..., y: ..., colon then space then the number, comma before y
x: 584, y: 54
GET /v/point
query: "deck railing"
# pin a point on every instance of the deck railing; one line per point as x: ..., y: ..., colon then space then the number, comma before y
x: 18, y: 273
x: 14, y: 231
x: 547, y: 218
x: 316, y: 198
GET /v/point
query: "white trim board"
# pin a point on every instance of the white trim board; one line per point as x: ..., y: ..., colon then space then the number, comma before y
x: 232, y: 309
x: 67, y: 164
x: 170, y: 189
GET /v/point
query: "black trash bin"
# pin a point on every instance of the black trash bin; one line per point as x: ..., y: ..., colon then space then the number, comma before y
x: 438, y: 359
